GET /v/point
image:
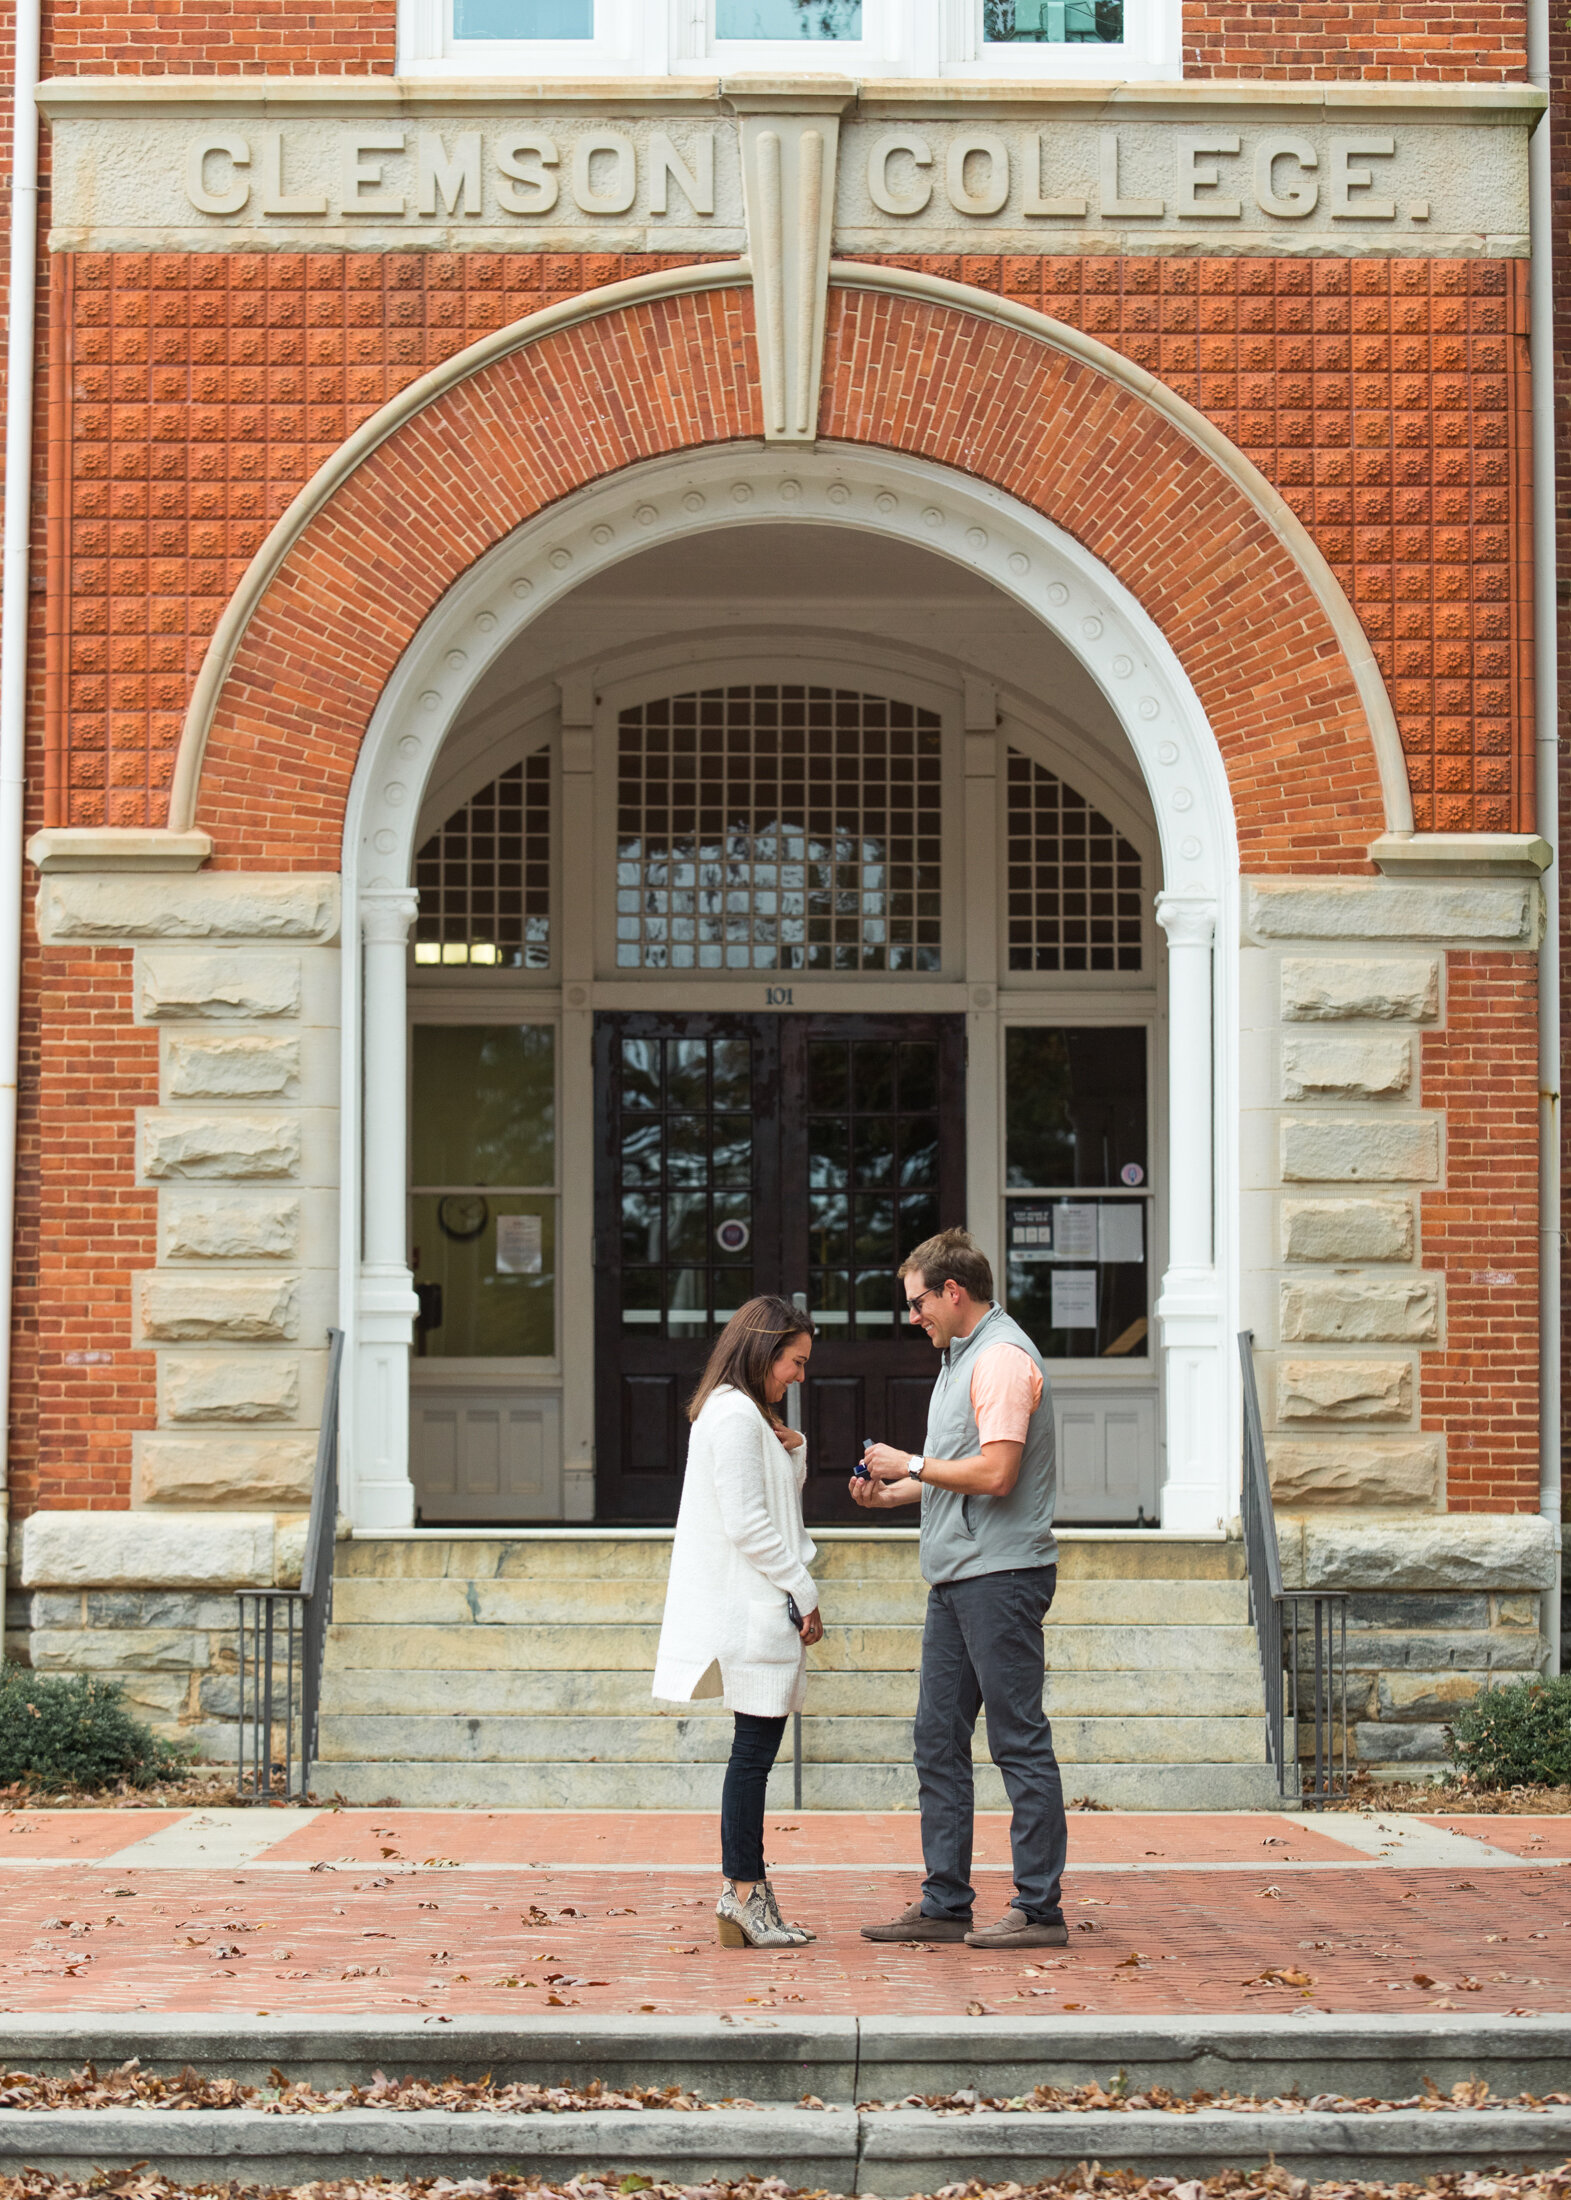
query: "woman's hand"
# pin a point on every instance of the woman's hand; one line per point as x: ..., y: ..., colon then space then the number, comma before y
x: 792, y: 1438
x: 812, y: 1627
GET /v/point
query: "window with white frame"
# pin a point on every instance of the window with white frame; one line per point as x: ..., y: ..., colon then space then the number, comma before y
x: 863, y: 38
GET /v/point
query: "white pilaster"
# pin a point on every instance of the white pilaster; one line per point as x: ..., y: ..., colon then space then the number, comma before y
x: 384, y: 1495
x: 575, y: 1147
x: 1190, y: 1307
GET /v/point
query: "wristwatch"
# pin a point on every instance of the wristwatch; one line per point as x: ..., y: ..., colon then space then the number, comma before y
x: 914, y: 1466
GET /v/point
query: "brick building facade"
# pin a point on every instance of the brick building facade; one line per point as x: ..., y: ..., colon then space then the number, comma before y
x: 438, y: 422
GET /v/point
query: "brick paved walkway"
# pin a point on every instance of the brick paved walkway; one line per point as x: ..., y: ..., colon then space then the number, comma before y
x: 479, y: 1913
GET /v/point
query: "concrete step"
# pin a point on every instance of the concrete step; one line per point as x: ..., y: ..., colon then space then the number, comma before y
x: 436, y: 1784
x: 522, y: 1648
x: 554, y: 1601
x: 607, y: 1554
x: 680, y: 1739
x: 355, y: 1691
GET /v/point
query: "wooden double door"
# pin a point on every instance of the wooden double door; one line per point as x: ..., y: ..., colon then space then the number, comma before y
x: 791, y: 1153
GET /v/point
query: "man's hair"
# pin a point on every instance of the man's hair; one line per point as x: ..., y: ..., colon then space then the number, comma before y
x: 952, y: 1257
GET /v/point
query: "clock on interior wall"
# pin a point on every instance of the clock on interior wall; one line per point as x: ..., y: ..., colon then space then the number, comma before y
x: 463, y: 1215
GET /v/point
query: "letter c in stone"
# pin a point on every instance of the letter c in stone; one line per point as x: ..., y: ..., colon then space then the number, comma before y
x: 217, y: 202
x: 879, y: 188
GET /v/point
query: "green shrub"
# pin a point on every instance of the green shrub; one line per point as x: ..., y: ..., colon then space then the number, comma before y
x: 1517, y: 1736
x: 75, y: 1733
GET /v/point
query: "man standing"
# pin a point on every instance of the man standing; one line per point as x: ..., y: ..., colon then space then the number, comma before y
x: 987, y: 1486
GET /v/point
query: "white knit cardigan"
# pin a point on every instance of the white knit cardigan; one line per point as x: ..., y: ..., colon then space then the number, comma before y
x: 740, y: 1549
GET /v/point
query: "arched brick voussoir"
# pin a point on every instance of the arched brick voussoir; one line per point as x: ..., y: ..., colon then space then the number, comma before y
x: 1173, y: 525
x: 461, y: 474
x: 952, y: 382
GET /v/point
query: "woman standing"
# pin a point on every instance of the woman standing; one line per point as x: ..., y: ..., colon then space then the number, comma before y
x: 741, y: 1552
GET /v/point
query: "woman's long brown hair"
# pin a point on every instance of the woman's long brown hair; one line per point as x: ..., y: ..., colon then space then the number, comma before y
x: 746, y: 1349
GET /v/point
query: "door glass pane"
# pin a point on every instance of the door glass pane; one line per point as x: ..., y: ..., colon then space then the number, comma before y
x: 1076, y: 1274
x: 485, y: 1273
x: 1075, y: 1106
x: 788, y: 18
x: 523, y: 18
x: 484, y: 1104
x: 686, y: 1181
x: 1052, y: 22
x: 870, y: 1133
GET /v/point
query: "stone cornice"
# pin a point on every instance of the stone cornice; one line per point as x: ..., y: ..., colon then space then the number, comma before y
x: 1509, y: 105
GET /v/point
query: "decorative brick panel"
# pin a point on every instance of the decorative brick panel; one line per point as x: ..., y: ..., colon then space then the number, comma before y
x: 154, y: 38
x: 1482, y: 1229
x: 1387, y: 400
x: 1382, y: 397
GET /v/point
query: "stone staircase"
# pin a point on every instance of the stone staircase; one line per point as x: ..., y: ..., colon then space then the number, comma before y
x: 513, y: 1671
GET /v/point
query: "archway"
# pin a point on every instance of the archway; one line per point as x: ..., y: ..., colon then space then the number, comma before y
x: 1016, y: 551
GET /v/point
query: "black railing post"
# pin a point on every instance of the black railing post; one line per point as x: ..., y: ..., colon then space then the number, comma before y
x: 306, y: 1613
x: 1282, y: 1661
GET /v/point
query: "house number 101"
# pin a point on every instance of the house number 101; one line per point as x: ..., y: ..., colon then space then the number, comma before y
x: 778, y: 996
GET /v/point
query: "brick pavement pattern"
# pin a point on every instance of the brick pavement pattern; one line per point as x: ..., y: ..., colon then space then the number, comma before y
x: 635, y: 1936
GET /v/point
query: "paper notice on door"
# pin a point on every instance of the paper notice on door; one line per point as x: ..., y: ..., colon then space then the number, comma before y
x: 518, y: 1245
x: 1074, y: 1298
x: 1074, y: 1229
x: 1121, y: 1230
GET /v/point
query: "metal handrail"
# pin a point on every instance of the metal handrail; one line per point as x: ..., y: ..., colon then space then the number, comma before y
x: 287, y: 1634
x: 1302, y: 1634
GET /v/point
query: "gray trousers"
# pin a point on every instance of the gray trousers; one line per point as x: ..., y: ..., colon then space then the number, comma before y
x: 982, y: 1647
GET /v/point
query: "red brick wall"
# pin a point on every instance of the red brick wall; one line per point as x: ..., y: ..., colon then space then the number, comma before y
x: 1560, y: 143
x: 1482, y: 1229
x: 97, y: 1229
x: 1378, y: 40
x: 206, y: 38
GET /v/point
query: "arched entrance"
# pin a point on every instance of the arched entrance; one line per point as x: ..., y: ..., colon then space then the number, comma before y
x: 1011, y: 550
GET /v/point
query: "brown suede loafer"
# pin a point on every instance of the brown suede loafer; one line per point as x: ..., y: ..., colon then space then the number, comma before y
x: 1015, y: 1930
x: 912, y: 1925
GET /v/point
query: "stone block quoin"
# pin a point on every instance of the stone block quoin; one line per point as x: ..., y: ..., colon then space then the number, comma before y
x: 1381, y: 397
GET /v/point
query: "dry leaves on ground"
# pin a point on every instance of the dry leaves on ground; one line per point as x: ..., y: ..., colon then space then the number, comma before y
x: 1063, y: 2100
x: 131, y: 2084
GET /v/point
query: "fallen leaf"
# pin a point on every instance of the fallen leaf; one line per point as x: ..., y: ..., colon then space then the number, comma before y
x: 977, y: 2009
x: 1422, y: 1978
x: 1134, y: 1961
x: 1268, y: 1894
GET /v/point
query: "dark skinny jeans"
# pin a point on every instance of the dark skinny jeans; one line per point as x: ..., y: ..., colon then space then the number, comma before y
x: 754, y: 1748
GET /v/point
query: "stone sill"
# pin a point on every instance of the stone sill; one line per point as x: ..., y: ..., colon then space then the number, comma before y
x: 117, y: 848
x: 1461, y: 855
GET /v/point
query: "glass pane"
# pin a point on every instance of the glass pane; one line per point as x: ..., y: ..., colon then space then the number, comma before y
x: 875, y: 1305
x: 875, y: 1230
x: 640, y: 1073
x: 831, y: 1303
x: 733, y: 1073
x: 485, y: 1271
x: 1075, y: 1106
x: 523, y: 19
x: 733, y: 1287
x: 641, y: 1298
x: 919, y: 1150
x: 788, y: 18
x: 1052, y: 22
x: 641, y: 1219
x: 641, y: 1153
x: 687, y: 1226
x: 918, y: 1074
x: 1076, y: 1275
x: 1074, y: 888
x: 873, y: 1150
x: 829, y: 1228
x: 733, y: 1244
x: 732, y: 1155
x: 872, y: 1075
x: 918, y: 1220
x: 484, y: 1104
x: 827, y: 1084
x: 687, y: 1149
x: 828, y: 1154
x: 687, y: 1073
x: 687, y: 1300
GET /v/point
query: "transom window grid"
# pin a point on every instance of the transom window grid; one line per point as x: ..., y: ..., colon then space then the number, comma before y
x: 1073, y: 885
x: 779, y: 827
x: 685, y: 1182
x: 484, y: 878
x: 872, y: 1171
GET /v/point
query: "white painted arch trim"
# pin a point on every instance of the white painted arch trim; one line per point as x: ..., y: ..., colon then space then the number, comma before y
x: 676, y: 282
x: 1002, y: 541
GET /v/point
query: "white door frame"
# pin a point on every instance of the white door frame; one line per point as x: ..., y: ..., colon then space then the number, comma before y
x: 1091, y: 613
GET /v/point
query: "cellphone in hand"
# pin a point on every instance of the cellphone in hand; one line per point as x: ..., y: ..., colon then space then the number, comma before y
x: 792, y: 1614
